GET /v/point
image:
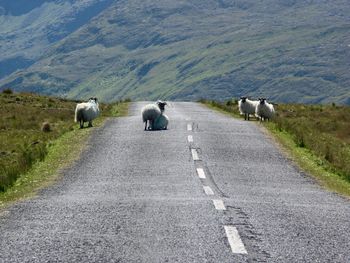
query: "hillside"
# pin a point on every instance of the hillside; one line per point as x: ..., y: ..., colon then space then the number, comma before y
x: 28, y: 28
x: 287, y: 50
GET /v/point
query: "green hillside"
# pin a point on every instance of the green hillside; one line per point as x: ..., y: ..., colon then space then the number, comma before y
x: 289, y: 51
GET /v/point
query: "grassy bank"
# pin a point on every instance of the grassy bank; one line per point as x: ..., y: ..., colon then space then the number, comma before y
x: 37, y: 138
x: 316, y: 137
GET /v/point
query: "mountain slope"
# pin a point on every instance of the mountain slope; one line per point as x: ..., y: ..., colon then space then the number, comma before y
x: 290, y: 50
x: 28, y: 28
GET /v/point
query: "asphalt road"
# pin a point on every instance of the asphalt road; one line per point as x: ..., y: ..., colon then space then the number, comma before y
x: 137, y: 196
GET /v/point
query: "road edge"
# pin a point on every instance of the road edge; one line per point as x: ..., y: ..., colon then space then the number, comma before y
x: 302, y: 159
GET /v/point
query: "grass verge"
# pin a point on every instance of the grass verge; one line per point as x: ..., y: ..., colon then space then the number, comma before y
x: 61, y: 148
x: 307, y: 161
x: 312, y: 136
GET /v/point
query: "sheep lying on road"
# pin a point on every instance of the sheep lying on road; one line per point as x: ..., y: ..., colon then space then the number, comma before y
x: 247, y: 107
x: 86, y: 112
x: 151, y: 112
x: 161, y: 123
x: 264, y: 110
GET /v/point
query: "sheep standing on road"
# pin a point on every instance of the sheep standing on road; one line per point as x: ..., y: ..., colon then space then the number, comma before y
x: 264, y: 110
x: 247, y: 107
x: 151, y: 112
x: 86, y: 112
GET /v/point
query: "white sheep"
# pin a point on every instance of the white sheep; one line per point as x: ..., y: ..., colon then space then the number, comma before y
x: 264, y: 110
x: 161, y: 123
x: 151, y: 112
x: 86, y: 112
x: 247, y: 107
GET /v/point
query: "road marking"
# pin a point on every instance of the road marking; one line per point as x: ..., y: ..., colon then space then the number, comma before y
x: 190, y: 138
x: 194, y: 155
x: 234, y: 240
x: 219, y: 204
x: 189, y: 127
x: 201, y: 173
x: 208, y: 190
x: 187, y: 119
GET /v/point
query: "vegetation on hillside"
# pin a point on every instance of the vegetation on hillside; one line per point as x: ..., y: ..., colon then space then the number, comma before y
x: 322, y: 130
x: 29, y: 124
x: 292, y: 50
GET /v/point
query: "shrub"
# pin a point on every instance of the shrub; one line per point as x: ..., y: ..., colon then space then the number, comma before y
x: 7, y: 91
x: 46, y: 127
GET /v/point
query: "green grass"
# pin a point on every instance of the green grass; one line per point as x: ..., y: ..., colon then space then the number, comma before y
x: 31, y: 158
x: 315, y: 137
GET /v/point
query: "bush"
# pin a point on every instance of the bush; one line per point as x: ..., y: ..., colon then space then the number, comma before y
x: 7, y: 91
x: 46, y: 127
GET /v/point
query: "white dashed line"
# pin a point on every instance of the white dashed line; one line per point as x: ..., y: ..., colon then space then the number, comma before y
x: 208, y: 190
x: 234, y: 240
x: 190, y: 138
x: 194, y: 155
x: 219, y: 204
x: 201, y: 173
x: 189, y: 127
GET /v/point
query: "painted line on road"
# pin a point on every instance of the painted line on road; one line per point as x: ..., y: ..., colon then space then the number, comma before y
x: 208, y: 190
x: 189, y: 127
x: 219, y: 204
x: 234, y: 240
x: 190, y: 138
x: 194, y: 154
x: 201, y: 173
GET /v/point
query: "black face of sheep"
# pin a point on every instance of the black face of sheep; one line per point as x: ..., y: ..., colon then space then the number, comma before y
x: 161, y: 105
x: 243, y: 99
x: 94, y: 99
x: 262, y: 101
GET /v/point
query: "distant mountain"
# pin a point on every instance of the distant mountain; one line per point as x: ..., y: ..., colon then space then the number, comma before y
x: 29, y: 28
x: 286, y: 50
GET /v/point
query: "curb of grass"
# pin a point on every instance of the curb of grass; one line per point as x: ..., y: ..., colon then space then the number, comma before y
x: 301, y: 157
x: 62, y: 154
x: 308, y: 162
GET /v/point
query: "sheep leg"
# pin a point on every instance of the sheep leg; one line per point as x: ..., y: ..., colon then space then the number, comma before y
x: 145, y: 125
x: 81, y: 124
x: 90, y: 124
x: 248, y: 116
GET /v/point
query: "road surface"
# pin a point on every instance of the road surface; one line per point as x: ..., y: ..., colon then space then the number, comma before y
x: 209, y: 189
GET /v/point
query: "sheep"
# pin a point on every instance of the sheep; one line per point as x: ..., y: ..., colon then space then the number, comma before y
x: 247, y: 107
x: 151, y: 112
x: 264, y: 110
x: 161, y: 123
x: 86, y: 111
